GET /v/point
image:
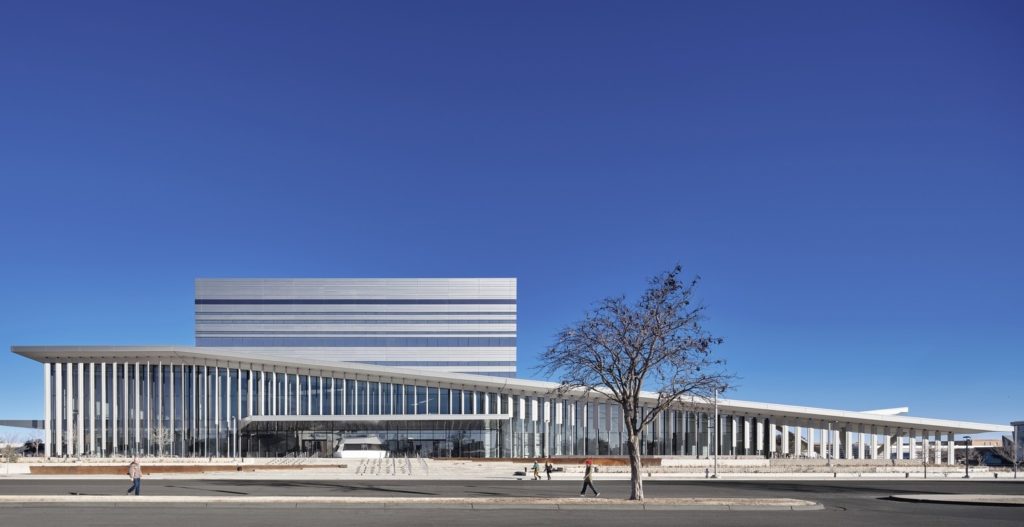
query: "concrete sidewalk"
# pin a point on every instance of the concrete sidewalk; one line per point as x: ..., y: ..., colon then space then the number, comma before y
x: 328, y: 474
x: 964, y: 499
x: 293, y: 502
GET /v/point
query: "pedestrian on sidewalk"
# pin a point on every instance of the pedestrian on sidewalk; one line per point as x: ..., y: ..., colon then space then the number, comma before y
x: 536, y: 470
x: 548, y: 468
x: 135, y: 473
x: 588, y: 479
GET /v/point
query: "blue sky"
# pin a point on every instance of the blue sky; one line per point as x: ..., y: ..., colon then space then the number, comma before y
x: 845, y: 177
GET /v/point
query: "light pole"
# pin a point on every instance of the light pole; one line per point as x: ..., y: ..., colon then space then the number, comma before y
x: 967, y: 457
x: 715, y: 475
x: 1014, y: 452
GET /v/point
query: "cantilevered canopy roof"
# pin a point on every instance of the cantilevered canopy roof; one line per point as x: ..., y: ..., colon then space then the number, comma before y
x: 239, y: 358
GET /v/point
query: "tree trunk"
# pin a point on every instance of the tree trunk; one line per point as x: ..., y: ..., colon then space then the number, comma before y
x: 635, y: 468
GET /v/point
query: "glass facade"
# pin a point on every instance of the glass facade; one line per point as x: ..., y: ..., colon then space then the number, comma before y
x: 125, y: 408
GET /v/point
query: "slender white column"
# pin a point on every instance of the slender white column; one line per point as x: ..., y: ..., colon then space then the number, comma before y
x: 216, y: 409
x: 759, y: 436
x: 248, y: 400
x: 238, y: 399
x: 113, y: 408
x: 158, y: 412
x: 938, y: 447
x: 74, y: 413
x: 307, y: 401
x: 273, y: 393
x: 138, y: 406
x: 797, y: 447
x: 287, y: 399
x: 862, y: 440
x: 69, y: 389
x: 746, y: 435
x: 912, y: 441
x: 47, y: 411
x: 733, y: 433
x: 194, y: 416
x: 58, y: 407
x: 183, y: 427
x: 334, y: 394
x: 887, y: 448
x: 91, y: 405
x: 950, y: 449
x: 170, y: 407
x: 848, y: 446
x: 785, y: 440
x: 126, y: 414
x: 263, y: 394
x: 874, y: 443
x: 924, y: 446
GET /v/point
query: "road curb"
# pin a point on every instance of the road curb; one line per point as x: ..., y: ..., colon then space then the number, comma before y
x: 986, y: 500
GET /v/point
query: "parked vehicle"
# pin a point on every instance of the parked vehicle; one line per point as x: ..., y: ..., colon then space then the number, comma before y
x: 366, y: 447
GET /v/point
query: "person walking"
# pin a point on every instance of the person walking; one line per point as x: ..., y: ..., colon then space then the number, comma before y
x: 135, y: 473
x: 548, y: 468
x: 536, y: 470
x: 588, y: 479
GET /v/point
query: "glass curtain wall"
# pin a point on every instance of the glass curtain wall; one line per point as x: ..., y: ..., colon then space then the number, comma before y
x: 198, y: 410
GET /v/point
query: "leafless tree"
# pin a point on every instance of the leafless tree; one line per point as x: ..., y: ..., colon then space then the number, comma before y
x: 10, y: 449
x: 656, y: 343
x: 162, y: 438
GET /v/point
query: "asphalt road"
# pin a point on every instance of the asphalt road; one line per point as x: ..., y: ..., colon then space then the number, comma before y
x: 847, y: 503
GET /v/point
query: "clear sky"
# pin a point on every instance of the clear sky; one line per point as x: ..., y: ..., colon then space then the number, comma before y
x: 845, y: 177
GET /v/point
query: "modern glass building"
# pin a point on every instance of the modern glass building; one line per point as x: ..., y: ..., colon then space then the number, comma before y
x: 293, y: 367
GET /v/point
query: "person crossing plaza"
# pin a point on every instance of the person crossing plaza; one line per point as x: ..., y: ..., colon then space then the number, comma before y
x: 588, y: 478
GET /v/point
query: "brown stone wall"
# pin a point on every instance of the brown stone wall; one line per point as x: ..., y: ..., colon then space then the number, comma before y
x: 122, y: 470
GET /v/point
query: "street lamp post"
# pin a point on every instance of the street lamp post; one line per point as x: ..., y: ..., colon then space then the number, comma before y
x: 967, y: 457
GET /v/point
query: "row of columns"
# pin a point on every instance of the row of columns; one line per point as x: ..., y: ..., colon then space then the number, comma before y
x: 74, y: 396
x: 69, y: 405
x: 841, y: 440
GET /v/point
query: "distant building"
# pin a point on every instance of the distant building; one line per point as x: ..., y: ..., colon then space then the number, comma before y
x: 455, y: 325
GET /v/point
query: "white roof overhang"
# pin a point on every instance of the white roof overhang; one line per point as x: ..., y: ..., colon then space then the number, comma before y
x: 237, y: 357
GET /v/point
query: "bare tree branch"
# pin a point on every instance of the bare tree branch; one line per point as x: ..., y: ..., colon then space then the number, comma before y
x: 656, y: 343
